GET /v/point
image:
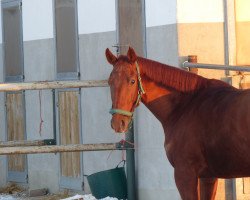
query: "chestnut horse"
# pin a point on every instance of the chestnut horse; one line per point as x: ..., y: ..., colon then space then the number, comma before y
x: 206, y: 121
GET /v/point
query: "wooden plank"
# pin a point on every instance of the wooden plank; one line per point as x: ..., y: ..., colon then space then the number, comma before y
x: 69, y: 132
x: 15, y: 128
x: 43, y: 85
x: 22, y: 143
x: 61, y: 148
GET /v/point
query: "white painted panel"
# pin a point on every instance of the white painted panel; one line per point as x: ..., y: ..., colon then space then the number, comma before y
x: 160, y: 12
x: 242, y: 10
x: 37, y: 19
x: 96, y: 16
x: 196, y: 11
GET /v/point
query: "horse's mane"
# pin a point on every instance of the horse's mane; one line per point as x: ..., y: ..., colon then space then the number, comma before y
x: 175, y: 78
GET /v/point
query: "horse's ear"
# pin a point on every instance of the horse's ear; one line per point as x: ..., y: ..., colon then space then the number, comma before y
x: 131, y: 55
x: 111, y: 58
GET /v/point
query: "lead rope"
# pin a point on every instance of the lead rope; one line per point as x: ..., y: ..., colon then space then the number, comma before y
x: 40, y: 108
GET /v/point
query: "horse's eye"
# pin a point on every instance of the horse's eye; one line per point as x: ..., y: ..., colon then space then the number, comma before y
x: 132, y: 81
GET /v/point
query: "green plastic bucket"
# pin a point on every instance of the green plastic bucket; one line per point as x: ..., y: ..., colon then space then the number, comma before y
x: 112, y: 183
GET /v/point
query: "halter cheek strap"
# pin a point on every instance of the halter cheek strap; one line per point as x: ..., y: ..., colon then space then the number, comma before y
x: 141, y: 91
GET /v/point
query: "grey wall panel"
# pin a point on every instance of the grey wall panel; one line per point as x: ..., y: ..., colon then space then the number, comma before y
x: 162, y: 44
x: 39, y: 60
x: 39, y: 66
x: 93, y: 64
x: 95, y: 102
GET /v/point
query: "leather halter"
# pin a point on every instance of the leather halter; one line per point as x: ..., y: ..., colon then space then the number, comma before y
x: 141, y: 91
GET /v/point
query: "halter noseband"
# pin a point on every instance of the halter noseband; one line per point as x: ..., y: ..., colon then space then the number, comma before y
x: 141, y: 91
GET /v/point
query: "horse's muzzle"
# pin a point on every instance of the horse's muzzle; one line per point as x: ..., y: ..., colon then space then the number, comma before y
x: 120, y: 123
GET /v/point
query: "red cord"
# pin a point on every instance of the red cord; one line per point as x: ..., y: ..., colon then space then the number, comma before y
x: 40, y: 106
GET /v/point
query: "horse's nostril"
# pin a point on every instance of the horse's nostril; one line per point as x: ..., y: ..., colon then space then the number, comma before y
x: 122, y: 123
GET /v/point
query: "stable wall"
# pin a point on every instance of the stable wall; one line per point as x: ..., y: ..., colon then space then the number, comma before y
x: 39, y: 65
x: 201, y: 33
x: 242, y: 31
x: 154, y: 173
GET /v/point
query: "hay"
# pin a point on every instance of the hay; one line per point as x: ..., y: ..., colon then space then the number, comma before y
x: 12, y: 188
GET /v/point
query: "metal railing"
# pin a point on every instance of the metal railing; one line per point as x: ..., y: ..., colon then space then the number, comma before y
x: 187, y: 64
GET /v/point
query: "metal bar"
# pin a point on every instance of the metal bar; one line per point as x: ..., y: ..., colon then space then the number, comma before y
x: 59, y: 148
x: 218, y: 67
x: 130, y: 166
x: 43, y: 85
x: 27, y: 143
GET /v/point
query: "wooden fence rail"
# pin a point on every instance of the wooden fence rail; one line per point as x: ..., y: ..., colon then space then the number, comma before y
x: 63, y: 148
x: 27, y: 143
x: 44, y: 85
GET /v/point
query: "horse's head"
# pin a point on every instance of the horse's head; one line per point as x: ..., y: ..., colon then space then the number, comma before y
x: 126, y: 88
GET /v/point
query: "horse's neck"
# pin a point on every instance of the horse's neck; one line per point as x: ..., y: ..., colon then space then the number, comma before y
x: 171, y: 77
x: 159, y: 100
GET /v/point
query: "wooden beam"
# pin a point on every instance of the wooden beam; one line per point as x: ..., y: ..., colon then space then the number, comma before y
x: 61, y: 148
x: 27, y: 143
x: 43, y: 85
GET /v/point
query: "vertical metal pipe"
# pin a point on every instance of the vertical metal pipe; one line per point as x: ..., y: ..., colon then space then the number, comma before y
x: 130, y: 166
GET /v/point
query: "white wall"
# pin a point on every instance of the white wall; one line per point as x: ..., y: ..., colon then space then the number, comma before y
x: 37, y: 19
x: 160, y: 12
x: 96, y: 16
x: 93, y: 16
x: 195, y: 11
x: 242, y: 10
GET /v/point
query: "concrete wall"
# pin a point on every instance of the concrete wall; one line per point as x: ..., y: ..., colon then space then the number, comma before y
x: 201, y: 33
x: 96, y: 102
x: 242, y: 29
x: 39, y: 65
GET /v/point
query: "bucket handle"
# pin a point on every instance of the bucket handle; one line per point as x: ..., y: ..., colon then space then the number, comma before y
x: 124, y: 161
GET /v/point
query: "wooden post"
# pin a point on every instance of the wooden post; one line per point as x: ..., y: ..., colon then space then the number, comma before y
x: 193, y: 59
